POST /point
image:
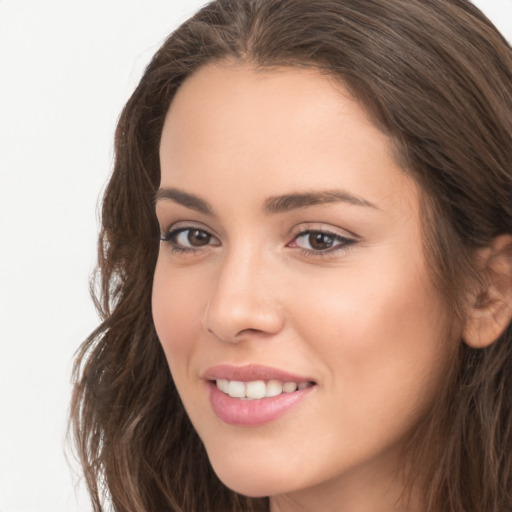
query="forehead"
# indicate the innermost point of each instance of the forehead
(222, 96)
(279, 129)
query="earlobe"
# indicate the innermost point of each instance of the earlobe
(491, 311)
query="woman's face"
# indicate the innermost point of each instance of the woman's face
(292, 254)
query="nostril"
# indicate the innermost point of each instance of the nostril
(234, 317)
(249, 331)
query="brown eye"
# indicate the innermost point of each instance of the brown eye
(188, 239)
(197, 237)
(320, 241)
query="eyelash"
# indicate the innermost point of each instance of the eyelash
(172, 234)
(339, 243)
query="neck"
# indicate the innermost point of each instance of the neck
(362, 490)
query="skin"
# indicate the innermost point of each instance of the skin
(362, 319)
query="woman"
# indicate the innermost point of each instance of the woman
(331, 185)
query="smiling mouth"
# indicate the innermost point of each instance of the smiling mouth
(253, 395)
(259, 389)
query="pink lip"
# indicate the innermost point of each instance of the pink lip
(236, 411)
(251, 372)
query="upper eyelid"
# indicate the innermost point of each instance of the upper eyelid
(186, 224)
(295, 232)
(322, 228)
(346, 239)
(179, 229)
(329, 233)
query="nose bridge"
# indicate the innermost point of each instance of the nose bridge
(244, 299)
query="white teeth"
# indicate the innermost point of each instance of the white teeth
(257, 389)
(274, 388)
(236, 389)
(223, 385)
(289, 387)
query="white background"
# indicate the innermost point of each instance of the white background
(66, 69)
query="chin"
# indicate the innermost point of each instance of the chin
(251, 486)
(254, 480)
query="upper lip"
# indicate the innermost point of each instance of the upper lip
(251, 372)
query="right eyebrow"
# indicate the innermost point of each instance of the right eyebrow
(287, 202)
(178, 196)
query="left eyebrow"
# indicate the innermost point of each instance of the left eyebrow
(287, 202)
(186, 199)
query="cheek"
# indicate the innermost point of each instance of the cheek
(177, 310)
(384, 336)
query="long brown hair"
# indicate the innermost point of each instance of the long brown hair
(437, 77)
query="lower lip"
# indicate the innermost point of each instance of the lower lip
(236, 411)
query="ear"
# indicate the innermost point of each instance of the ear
(491, 310)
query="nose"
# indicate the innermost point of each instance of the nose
(244, 302)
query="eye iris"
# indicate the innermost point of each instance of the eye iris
(320, 241)
(198, 238)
